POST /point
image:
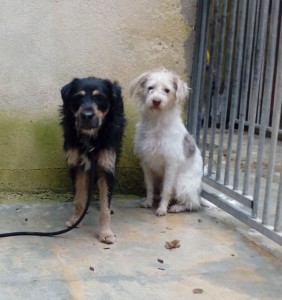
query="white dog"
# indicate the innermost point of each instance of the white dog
(170, 158)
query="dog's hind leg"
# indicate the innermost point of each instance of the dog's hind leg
(149, 182)
(105, 184)
(177, 208)
(188, 201)
(81, 188)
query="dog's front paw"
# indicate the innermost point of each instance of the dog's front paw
(146, 203)
(107, 237)
(160, 212)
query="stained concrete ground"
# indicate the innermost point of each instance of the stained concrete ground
(218, 257)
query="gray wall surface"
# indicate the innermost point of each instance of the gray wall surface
(44, 44)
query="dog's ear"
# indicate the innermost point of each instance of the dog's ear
(117, 96)
(181, 89)
(65, 91)
(116, 90)
(113, 90)
(137, 83)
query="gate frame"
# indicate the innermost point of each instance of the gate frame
(201, 78)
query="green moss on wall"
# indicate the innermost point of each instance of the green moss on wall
(32, 157)
(30, 144)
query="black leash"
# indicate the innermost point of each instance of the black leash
(90, 191)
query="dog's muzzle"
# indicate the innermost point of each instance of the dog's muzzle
(87, 120)
(156, 103)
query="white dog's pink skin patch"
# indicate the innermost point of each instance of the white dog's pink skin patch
(170, 157)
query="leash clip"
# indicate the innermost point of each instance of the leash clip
(93, 148)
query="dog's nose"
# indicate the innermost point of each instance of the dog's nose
(156, 102)
(87, 115)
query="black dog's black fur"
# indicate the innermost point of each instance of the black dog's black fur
(92, 120)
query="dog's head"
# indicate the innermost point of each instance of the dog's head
(158, 90)
(89, 100)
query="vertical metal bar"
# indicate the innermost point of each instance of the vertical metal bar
(210, 83)
(260, 97)
(276, 115)
(218, 80)
(255, 92)
(227, 73)
(245, 85)
(203, 76)
(197, 89)
(205, 100)
(195, 63)
(278, 214)
(236, 83)
(255, 38)
(266, 101)
(205, 128)
(218, 94)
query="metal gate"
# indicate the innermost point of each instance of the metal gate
(234, 108)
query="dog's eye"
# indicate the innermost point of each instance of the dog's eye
(167, 90)
(150, 88)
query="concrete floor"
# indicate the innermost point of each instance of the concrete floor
(218, 258)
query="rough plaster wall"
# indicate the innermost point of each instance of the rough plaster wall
(44, 44)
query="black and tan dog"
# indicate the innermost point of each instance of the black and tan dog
(93, 122)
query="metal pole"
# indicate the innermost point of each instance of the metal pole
(266, 101)
(245, 85)
(259, 51)
(235, 83)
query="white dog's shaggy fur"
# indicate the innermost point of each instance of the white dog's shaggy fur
(170, 158)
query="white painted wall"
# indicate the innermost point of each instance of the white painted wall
(45, 43)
